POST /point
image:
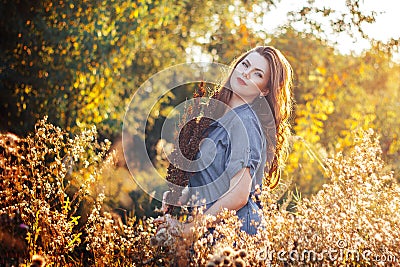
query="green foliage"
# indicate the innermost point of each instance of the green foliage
(79, 62)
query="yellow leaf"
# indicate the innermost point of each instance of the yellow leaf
(92, 79)
(75, 239)
(321, 70)
(75, 220)
(28, 237)
(102, 82)
(82, 78)
(66, 205)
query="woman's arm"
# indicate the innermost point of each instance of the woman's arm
(236, 196)
(234, 199)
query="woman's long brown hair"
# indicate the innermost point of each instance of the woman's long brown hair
(279, 99)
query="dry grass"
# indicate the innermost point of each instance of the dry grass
(51, 205)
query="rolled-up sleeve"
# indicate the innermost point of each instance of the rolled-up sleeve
(246, 141)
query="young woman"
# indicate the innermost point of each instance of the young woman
(249, 140)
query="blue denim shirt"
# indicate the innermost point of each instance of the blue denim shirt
(234, 141)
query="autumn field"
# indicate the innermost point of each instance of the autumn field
(74, 192)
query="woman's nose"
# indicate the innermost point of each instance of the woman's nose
(245, 74)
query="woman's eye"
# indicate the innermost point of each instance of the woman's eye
(245, 64)
(259, 74)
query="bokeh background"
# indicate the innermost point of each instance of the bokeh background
(80, 62)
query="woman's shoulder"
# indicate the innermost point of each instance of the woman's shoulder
(243, 113)
(241, 119)
(246, 112)
(248, 116)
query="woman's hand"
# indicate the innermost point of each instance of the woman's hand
(183, 199)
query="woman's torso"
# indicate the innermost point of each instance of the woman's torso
(233, 142)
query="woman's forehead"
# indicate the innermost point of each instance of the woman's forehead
(257, 60)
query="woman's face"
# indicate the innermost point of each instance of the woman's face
(250, 77)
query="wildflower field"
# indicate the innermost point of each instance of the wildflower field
(70, 187)
(52, 206)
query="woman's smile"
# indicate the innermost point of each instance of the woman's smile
(241, 81)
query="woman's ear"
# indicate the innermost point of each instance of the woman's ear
(265, 93)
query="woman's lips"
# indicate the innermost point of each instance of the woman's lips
(241, 81)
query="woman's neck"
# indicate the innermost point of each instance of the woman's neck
(236, 101)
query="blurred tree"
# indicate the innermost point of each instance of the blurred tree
(367, 99)
(349, 17)
(80, 62)
(336, 94)
(315, 85)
